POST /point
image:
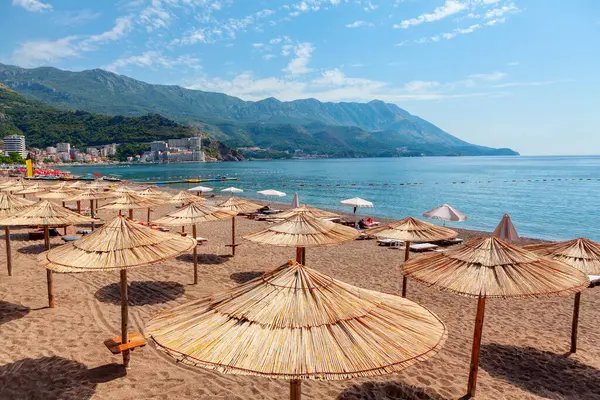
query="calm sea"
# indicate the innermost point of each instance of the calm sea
(547, 197)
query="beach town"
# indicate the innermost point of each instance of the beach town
(115, 290)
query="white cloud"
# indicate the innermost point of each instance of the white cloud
(299, 64)
(32, 5)
(268, 56)
(513, 63)
(494, 76)
(200, 35)
(74, 18)
(499, 12)
(370, 7)
(123, 25)
(358, 24)
(258, 45)
(153, 59)
(40, 52)
(449, 8)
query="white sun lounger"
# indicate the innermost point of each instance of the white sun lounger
(389, 242)
(423, 247)
(594, 280)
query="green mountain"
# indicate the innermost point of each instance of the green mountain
(44, 125)
(338, 129)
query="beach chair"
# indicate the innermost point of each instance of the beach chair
(201, 240)
(449, 242)
(594, 280)
(71, 238)
(420, 247)
(390, 242)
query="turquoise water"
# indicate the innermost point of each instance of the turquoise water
(547, 197)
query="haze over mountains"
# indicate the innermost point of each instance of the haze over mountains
(336, 129)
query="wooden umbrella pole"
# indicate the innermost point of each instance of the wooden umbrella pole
(8, 253)
(295, 390)
(476, 346)
(131, 213)
(301, 255)
(92, 213)
(65, 227)
(124, 317)
(49, 274)
(575, 323)
(148, 220)
(195, 254)
(233, 236)
(406, 257)
(78, 206)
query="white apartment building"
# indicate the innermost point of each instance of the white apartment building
(15, 144)
(63, 147)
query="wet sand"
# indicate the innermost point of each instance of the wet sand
(59, 353)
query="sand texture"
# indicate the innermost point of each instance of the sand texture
(59, 353)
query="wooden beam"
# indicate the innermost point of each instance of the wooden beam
(124, 317)
(195, 254)
(476, 347)
(295, 390)
(575, 323)
(8, 252)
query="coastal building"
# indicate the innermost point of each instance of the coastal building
(92, 151)
(64, 156)
(158, 145)
(63, 147)
(15, 144)
(51, 150)
(178, 143)
(187, 156)
(111, 149)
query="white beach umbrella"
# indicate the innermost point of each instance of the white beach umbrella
(296, 201)
(445, 212)
(506, 230)
(356, 202)
(232, 190)
(271, 193)
(200, 189)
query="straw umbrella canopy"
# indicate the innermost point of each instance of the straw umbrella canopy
(153, 193)
(506, 230)
(302, 231)
(57, 186)
(306, 209)
(239, 206)
(445, 213)
(295, 323)
(14, 187)
(411, 230)
(582, 254)
(184, 197)
(117, 246)
(130, 201)
(35, 188)
(46, 214)
(76, 185)
(193, 214)
(90, 195)
(10, 205)
(490, 267)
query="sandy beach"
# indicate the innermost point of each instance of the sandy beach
(59, 353)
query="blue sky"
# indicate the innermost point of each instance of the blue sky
(517, 73)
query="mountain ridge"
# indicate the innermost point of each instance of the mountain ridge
(384, 128)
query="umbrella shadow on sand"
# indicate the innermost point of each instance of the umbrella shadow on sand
(246, 276)
(207, 259)
(34, 249)
(10, 311)
(53, 378)
(142, 293)
(386, 390)
(543, 373)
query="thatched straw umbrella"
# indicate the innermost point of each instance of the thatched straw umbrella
(306, 209)
(193, 214)
(14, 187)
(90, 195)
(295, 323)
(46, 214)
(117, 246)
(302, 231)
(35, 188)
(59, 194)
(57, 186)
(582, 254)
(153, 193)
(184, 198)
(490, 267)
(239, 206)
(411, 230)
(10, 205)
(130, 201)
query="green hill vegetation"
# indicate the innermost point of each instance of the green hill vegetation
(44, 125)
(337, 129)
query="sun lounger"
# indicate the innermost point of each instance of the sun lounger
(389, 242)
(201, 240)
(365, 236)
(594, 280)
(84, 231)
(423, 247)
(71, 238)
(334, 219)
(269, 212)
